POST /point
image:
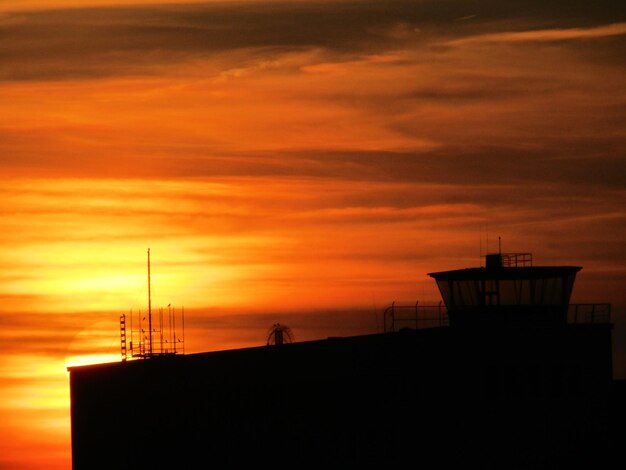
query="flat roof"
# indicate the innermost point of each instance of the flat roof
(365, 340)
(526, 272)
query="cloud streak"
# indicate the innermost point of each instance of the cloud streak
(547, 35)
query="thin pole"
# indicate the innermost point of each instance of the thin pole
(142, 337)
(183, 330)
(149, 305)
(480, 247)
(174, 327)
(487, 236)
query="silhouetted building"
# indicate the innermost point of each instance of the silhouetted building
(519, 379)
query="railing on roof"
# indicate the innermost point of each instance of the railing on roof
(589, 313)
(165, 339)
(516, 260)
(396, 317)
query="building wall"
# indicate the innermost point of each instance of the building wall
(512, 398)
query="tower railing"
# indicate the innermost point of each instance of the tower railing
(419, 316)
(516, 260)
(589, 313)
(396, 317)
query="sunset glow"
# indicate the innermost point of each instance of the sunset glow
(306, 162)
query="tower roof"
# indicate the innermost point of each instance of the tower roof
(505, 273)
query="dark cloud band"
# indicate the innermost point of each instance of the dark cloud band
(85, 43)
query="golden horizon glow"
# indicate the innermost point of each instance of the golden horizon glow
(90, 359)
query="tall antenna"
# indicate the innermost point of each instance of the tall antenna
(149, 305)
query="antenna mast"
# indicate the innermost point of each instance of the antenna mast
(149, 304)
(168, 341)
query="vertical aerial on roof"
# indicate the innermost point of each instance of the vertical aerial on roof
(149, 303)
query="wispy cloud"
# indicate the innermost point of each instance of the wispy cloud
(545, 35)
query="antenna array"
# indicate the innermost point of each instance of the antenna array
(149, 339)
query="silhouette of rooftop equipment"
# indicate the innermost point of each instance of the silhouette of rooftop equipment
(279, 334)
(150, 339)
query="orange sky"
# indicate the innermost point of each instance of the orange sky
(303, 162)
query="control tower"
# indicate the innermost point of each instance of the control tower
(508, 290)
